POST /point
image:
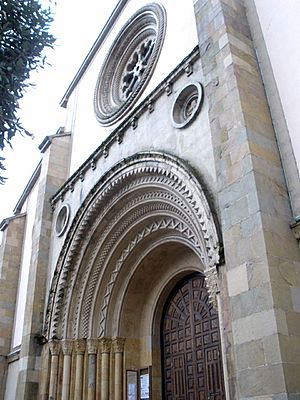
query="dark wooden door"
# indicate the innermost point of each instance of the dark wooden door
(191, 349)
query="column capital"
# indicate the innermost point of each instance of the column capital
(105, 345)
(92, 345)
(67, 346)
(79, 346)
(118, 344)
(54, 346)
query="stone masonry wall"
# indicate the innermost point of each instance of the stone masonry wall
(262, 257)
(10, 261)
(55, 168)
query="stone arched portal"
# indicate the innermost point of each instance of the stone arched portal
(144, 225)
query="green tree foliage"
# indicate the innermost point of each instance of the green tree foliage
(24, 33)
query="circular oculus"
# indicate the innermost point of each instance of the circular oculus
(187, 105)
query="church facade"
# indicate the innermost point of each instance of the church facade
(154, 253)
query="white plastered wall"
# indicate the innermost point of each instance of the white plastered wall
(180, 39)
(30, 208)
(280, 25)
(11, 382)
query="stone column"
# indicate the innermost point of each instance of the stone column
(79, 350)
(92, 345)
(105, 351)
(118, 345)
(54, 346)
(66, 345)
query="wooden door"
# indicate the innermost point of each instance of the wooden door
(191, 349)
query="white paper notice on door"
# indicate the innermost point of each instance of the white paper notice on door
(144, 387)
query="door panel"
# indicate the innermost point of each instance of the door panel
(191, 349)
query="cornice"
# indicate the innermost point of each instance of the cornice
(147, 105)
(5, 222)
(31, 183)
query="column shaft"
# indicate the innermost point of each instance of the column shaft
(79, 377)
(105, 376)
(66, 377)
(79, 349)
(105, 350)
(118, 376)
(118, 344)
(92, 345)
(92, 376)
(53, 377)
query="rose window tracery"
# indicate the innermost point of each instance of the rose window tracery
(136, 67)
(129, 64)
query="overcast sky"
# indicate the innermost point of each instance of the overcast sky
(76, 28)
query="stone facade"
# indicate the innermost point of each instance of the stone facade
(156, 202)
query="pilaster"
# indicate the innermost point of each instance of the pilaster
(54, 171)
(262, 257)
(10, 261)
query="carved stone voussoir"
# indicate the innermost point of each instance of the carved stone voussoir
(54, 346)
(67, 346)
(118, 344)
(92, 345)
(211, 278)
(105, 345)
(178, 202)
(79, 346)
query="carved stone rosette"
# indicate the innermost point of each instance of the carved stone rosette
(105, 345)
(118, 344)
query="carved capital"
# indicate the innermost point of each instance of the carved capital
(54, 346)
(212, 282)
(118, 344)
(91, 345)
(79, 346)
(67, 346)
(105, 344)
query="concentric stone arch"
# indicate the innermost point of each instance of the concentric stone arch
(143, 199)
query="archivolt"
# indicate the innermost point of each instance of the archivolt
(140, 198)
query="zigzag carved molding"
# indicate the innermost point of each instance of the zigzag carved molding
(146, 174)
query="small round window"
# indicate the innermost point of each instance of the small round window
(62, 219)
(187, 105)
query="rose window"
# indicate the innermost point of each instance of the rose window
(129, 64)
